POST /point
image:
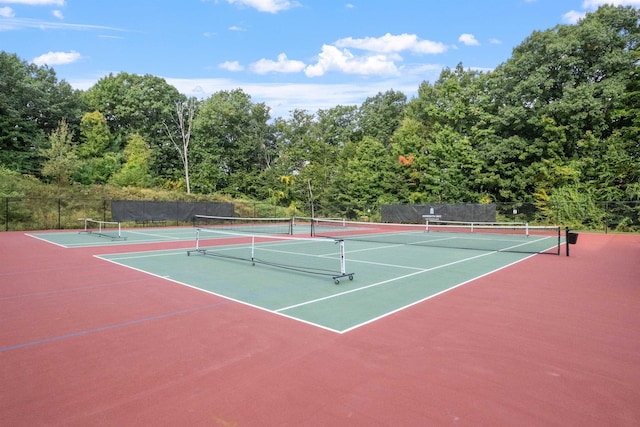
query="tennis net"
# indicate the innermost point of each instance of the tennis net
(499, 237)
(306, 255)
(111, 229)
(241, 225)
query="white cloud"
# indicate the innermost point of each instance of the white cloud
(333, 59)
(56, 58)
(495, 41)
(572, 17)
(270, 6)
(282, 65)
(594, 4)
(468, 40)
(20, 24)
(6, 12)
(236, 28)
(58, 14)
(393, 43)
(231, 66)
(283, 98)
(36, 2)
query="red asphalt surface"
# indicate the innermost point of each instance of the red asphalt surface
(551, 341)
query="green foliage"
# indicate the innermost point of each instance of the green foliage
(95, 135)
(32, 104)
(135, 171)
(133, 103)
(60, 157)
(97, 170)
(572, 206)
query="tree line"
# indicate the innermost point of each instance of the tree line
(560, 119)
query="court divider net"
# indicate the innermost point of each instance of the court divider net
(241, 225)
(111, 229)
(325, 257)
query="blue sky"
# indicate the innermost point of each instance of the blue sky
(306, 54)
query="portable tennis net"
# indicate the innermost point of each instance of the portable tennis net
(306, 255)
(111, 229)
(242, 225)
(499, 237)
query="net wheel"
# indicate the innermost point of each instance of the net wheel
(351, 277)
(336, 281)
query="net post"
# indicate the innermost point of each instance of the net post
(426, 225)
(119, 230)
(197, 239)
(343, 260)
(566, 243)
(526, 229)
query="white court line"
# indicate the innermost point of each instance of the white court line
(45, 240)
(432, 296)
(415, 273)
(164, 236)
(398, 278)
(228, 298)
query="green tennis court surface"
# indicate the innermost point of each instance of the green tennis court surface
(79, 239)
(387, 277)
(75, 239)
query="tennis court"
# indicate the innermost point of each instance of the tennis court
(296, 277)
(148, 330)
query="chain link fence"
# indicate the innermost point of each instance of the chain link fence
(30, 213)
(63, 213)
(611, 216)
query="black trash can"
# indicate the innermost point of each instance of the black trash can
(572, 238)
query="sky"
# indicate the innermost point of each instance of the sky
(288, 54)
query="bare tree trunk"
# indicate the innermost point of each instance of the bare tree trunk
(184, 120)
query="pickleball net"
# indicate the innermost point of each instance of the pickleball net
(245, 224)
(325, 257)
(110, 229)
(498, 237)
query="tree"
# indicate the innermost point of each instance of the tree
(381, 115)
(135, 172)
(60, 158)
(95, 135)
(32, 104)
(555, 102)
(97, 158)
(185, 111)
(132, 104)
(366, 180)
(229, 142)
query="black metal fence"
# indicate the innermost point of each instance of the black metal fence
(23, 213)
(30, 213)
(610, 216)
